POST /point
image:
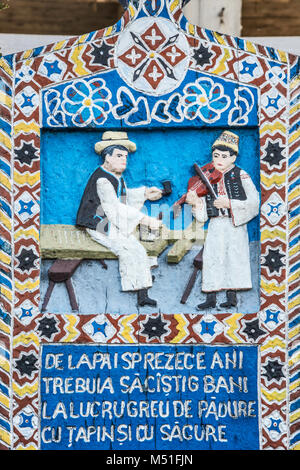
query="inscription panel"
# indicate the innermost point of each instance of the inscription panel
(149, 397)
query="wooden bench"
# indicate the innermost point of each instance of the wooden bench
(69, 246)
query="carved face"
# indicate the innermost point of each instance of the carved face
(223, 160)
(116, 162)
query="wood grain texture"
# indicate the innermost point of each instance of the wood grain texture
(67, 17)
(76, 17)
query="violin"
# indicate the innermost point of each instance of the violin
(196, 183)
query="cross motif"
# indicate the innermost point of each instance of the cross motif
(155, 74)
(154, 37)
(133, 56)
(173, 54)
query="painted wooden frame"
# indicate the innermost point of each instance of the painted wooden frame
(32, 85)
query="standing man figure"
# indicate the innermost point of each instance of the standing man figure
(226, 257)
(110, 213)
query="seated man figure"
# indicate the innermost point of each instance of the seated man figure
(110, 212)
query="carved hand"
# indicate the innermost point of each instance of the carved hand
(153, 193)
(153, 224)
(193, 199)
(222, 202)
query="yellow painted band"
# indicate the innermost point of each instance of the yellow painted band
(294, 416)
(4, 327)
(5, 99)
(79, 68)
(7, 293)
(26, 389)
(273, 344)
(274, 395)
(126, 333)
(25, 127)
(294, 136)
(4, 400)
(26, 338)
(5, 258)
(295, 331)
(276, 179)
(270, 287)
(27, 232)
(72, 319)
(27, 285)
(4, 65)
(5, 436)
(232, 321)
(5, 140)
(174, 5)
(26, 178)
(4, 365)
(250, 47)
(272, 234)
(180, 327)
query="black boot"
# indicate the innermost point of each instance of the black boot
(210, 302)
(143, 299)
(231, 299)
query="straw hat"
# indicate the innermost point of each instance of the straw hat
(228, 139)
(115, 138)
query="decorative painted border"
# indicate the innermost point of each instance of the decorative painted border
(294, 257)
(279, 140)
(6, 247)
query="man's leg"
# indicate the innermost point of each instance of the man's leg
(134, 264)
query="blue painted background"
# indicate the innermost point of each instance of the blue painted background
(68, 160)
(241, 433)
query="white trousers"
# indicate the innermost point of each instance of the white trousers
(134, 263)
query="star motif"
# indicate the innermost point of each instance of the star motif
(274, 154)
(272, 316)
(274, 426)
(26, 313)
(202, 55)
(26, 207)
(253, 330)
(47, 327)
(273, 261)
(26, 364)
(208, 327)
(52, 67)
(26, 420)
(248, 68)
(101, 53)
(99, 328)
(26, 153)
(154, 327)
(26, 259)
(274, 208)
(273, 102)
(273, 370)
(27, 100)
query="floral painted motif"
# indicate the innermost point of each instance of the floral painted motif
(205, 99)
(87, 102)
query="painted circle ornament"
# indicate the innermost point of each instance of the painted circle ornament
(152, 56)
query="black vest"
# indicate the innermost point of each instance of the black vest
(234, 189)
(90, 213)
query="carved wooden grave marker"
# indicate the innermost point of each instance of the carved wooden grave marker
(129, 360)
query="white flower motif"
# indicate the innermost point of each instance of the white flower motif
(88, 102)
(205, 99)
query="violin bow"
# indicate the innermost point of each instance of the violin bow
(207, 183)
